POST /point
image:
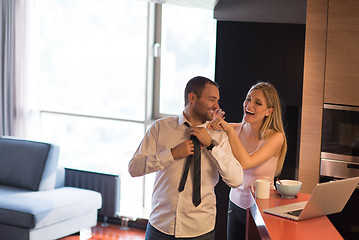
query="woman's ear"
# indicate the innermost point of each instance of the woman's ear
(269, 111)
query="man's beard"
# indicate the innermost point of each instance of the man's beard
(207, 116)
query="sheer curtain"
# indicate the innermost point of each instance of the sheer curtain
(7, 100)
(12, 56)
(22, 108)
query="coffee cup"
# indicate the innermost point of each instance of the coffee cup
(261, 188)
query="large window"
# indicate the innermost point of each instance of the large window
(92, 67)
(90, 60)
(187, 50)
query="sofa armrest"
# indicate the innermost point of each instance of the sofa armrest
(49, 175)
(60, 177)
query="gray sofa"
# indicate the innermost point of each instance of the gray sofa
(34, 204)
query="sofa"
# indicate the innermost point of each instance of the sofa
(34, 204)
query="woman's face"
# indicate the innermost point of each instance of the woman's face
(255, 107)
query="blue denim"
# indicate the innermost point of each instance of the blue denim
(153, 234)
(236, 222)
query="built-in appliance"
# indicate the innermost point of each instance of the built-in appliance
(340, 141)
(340, 159)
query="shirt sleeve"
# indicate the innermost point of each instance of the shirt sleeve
(228, 167)
(147, 159)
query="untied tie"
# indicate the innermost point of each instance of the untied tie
(196, 197)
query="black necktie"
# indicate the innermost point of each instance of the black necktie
(196, 198)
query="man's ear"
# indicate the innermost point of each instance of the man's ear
(192, 97)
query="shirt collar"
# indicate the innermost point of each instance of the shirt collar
(182, 120)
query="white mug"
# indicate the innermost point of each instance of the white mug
(262, 188)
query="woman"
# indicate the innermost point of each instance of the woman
(259, 144)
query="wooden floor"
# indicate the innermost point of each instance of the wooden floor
(109, 232)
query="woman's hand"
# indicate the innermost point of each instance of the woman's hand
(218, 113)
(218, 122)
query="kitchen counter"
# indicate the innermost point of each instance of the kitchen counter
(266, 226)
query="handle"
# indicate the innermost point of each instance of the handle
(353, 166)
(252, 186)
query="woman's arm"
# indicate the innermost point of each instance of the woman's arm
(271, 146)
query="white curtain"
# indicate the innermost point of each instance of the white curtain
(7, 56)
(21, 93)
(12, 57)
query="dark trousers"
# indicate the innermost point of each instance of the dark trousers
(153, 234)
(236, 222)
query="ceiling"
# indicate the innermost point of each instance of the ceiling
(274, 11)
(205, 4)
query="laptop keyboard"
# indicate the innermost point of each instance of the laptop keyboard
(295, 212)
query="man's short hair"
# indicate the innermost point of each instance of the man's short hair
(196, 85)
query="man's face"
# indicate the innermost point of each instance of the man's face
(204, 106)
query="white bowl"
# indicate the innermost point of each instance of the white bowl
(288, 188)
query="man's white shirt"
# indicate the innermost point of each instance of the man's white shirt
(173, 212)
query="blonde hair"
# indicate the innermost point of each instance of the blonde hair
(274, 120)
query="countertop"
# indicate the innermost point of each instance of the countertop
(266, 226)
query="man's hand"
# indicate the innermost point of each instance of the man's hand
(202, 135)
(183, 150)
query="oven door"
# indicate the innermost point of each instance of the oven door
(340, 132)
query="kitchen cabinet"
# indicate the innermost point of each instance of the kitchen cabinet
(313, 85)
(330, 75)
(342, 57)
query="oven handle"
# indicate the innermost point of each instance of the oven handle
(339, 157)
(353, 166)
(341, 107)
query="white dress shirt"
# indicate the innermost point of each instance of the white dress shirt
(173, 212)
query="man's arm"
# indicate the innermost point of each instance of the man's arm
(147, 160)
(221, 154)
(227, 165)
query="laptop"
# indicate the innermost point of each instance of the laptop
(326, 198)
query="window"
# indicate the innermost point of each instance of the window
(89, 59)
(188, 38)
(90, 66)
(93, 57)
(188, 49)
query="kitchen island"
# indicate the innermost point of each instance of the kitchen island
(266, 226)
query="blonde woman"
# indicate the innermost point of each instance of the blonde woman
(260, 146)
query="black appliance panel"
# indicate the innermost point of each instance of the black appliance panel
(340, 133)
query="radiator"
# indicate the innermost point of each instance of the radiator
(108, 185)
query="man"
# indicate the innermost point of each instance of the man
(176, 213)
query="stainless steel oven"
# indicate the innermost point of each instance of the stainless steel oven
(340, 141)
(340, 159)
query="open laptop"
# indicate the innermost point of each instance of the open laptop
(326, 198)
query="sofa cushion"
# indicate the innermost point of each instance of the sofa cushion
(22, 162)
(30, 209)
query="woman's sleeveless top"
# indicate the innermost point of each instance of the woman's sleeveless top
(242, 196)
